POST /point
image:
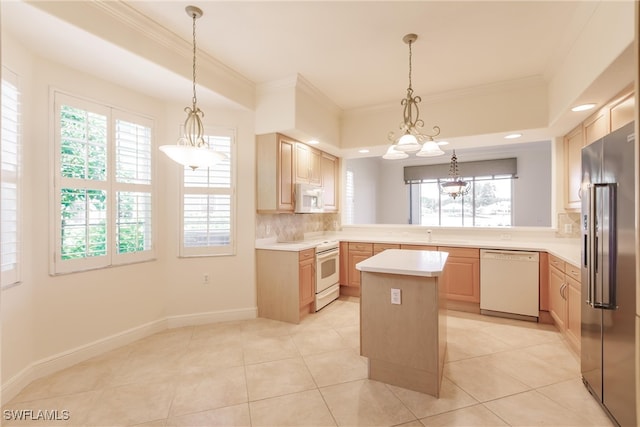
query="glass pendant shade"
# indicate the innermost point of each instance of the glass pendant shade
(454, 187)
(430, 149)
(191, 156)
(407, 143)
(393, 154)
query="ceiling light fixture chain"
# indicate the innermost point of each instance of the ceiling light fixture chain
(412, 138)
(191, 148)
(193, 127)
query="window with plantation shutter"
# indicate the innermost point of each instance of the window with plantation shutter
(10, 180)
(102, 186)
(208, 202)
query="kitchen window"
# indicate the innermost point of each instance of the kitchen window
(487, 204)
(10, 190)
(102, 186)
(209, 200)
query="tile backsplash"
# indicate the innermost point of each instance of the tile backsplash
(292, 227)
(568, 224)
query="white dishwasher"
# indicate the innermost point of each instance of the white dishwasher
(509, 283)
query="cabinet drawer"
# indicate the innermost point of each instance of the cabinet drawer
(572, 271)
(356, 246)
(556, 262)
(379, 247)
(461, 252)
(419, 247)
(306, 254)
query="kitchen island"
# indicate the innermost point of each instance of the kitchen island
(403, 318)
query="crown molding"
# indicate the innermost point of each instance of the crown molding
(474, 91)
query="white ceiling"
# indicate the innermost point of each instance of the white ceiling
(351, 51)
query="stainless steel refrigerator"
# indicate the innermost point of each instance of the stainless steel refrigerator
(608, 273)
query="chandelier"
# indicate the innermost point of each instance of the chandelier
(191, 149)
(412, 138)
(455, 186)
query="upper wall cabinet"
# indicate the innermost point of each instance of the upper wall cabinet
(617, 113)
(330, 181)
(308, 163)
(281, 162)
(573, 143)
(274, 172)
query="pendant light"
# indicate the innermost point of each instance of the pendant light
(191, 149)
(455, 186)
(412, 138)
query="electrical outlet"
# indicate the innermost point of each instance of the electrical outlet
(568, 228)
(205, 278)
(267, 229)
(396, 296)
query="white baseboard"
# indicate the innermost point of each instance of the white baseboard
(65, 359)
(211, 317)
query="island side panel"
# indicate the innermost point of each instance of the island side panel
(402, 341)
(277, 285)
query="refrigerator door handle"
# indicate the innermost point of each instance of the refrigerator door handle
(591, 245)
(603, 246)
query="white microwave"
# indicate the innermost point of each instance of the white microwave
(308, 199)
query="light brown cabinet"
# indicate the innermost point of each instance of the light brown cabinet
(282, 162)
(330, 168)
(286, 282)
(596, 126)
(307, 277)
(356, 252)
(274, 172)
(461, 276)
(616, 113)
(557, 301)
(622, 110)
(419, 247)
(573, 143)
(565, 300)
(379, 247)
(308, 162)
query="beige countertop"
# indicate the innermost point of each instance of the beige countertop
(409, 263)
(565, 248)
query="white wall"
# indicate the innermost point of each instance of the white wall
(386, 188)
(49, 321)
(365, 180)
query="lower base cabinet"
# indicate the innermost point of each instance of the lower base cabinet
(461, 278)
(286, 284)
(565, 300)
(356, 252)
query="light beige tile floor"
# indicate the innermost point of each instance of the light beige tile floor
(266, 373)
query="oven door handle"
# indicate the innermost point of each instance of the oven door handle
(328, 254)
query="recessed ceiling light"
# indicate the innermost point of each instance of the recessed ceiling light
(513, 136)
(314, 142)
(583, 107)
(442, 142)
(363, 151)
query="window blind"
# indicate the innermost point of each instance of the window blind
(11, 187)
(208, 203)
(507, 168)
